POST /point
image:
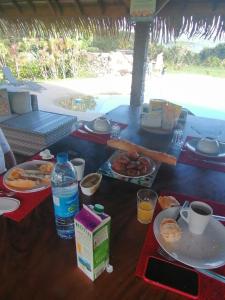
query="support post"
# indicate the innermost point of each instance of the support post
(139, 63)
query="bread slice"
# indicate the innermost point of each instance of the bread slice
(167, 201)
(21, 184)
(170, 230)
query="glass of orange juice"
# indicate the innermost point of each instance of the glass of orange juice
(146, 201)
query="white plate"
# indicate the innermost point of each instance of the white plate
(8, 204)
(29, 165)
(47, 157)
(206, 251)
(192, 146)
(151, 162)
(90, 127)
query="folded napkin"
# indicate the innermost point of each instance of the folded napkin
(209, 289)
(190, 158)
(96, 138)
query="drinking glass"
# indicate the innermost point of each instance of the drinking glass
(177, 140)
(115, 131)
(146, 201)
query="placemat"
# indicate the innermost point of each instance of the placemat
(191, 158)
(146, 181)
(96, 138)
(209, 289)
(27, 201)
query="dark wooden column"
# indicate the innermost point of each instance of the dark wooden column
(139, 63)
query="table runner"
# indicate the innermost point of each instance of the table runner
(209, 289)
(28, 201)
(194, 159)
(146, 181)
(96, 138)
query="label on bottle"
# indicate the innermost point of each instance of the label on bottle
(66, 206)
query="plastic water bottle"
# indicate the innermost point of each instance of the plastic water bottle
(65, 196)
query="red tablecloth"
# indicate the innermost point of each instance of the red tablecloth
(96, 138)
(209, 289)
(191, 158)
(27, 201)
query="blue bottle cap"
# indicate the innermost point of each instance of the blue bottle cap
(62, 157)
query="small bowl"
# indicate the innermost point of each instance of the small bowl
(208, 146)
(90, 183)
(101, 124)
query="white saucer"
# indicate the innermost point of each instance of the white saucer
(192, 146)
(45, 157)
(8, 204)
(90, 127)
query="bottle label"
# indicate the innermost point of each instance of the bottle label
(66, 206)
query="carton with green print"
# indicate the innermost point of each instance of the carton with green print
(92, 232)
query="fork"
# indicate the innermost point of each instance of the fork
(210, 161)
(8, 194)
(206, 272)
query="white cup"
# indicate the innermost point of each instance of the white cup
(197, 216)
(101, 124)
(78, 164)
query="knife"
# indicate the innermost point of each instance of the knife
(218, 218)
(219, 163)
(186, 204)
(211, 274)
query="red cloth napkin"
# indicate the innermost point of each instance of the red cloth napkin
(209, 289)
(28, 201)
(96, 138)
(194, 159)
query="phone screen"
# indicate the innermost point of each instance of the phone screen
(173, 276)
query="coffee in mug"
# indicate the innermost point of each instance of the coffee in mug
(197, 216)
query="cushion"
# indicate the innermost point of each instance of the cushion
(4, 103)
(21, 102)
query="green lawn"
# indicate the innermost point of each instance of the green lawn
(200, 70)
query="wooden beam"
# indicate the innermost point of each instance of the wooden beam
(56, 7)
(102, 5)
(125, 5)
(79, 6)
(46, 10)
(160, 5)
(198, 8)
(139, 63)
(31, 4)
(59, 7)
(18, 7)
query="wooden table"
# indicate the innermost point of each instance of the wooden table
(36, 264)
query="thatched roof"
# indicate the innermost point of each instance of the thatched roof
(172, 18)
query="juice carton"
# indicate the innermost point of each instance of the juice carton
(92, 232)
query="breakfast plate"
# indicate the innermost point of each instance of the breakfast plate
(90, 128)
(205, 251)
(8, 204)
(123, 165)
(29, 177)
(192, 146)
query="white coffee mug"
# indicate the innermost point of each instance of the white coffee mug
(101, 124)
(78, 164)
(197, 216)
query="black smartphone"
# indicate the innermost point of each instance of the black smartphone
(172, 276)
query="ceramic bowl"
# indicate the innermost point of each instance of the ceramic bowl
(101, 124)
(209, 146)
(90, 183)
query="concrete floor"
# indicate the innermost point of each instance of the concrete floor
(204, 95)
